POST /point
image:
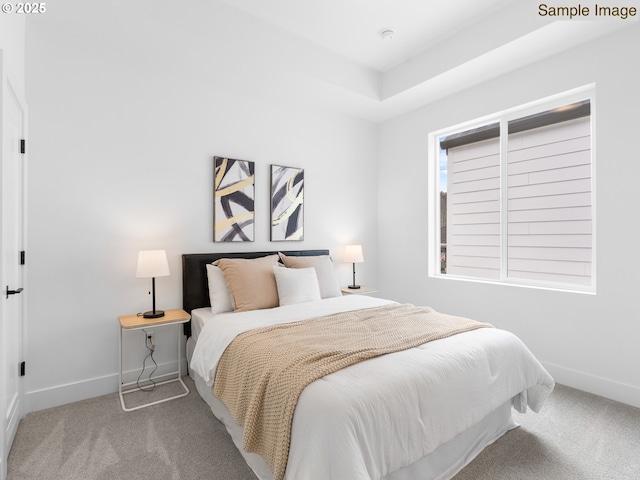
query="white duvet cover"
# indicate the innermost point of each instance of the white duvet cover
(380, 415)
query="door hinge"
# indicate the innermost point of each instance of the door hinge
(23, 146)
(23, 255)
(23, 369)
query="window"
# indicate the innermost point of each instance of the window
(515, 195)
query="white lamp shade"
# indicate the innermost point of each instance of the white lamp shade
(152, 263)
(353, 254)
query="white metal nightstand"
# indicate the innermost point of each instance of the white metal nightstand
(137, 322)
(363, 290)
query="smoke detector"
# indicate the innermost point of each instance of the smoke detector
(387, 34)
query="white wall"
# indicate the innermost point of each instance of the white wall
(586, 341)
(128, 106)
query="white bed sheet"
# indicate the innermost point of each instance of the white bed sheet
(379, 416)
(198, 318)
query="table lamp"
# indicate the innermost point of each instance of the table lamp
(152, 264)
(353, 254)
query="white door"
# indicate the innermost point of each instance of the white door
(12, 163)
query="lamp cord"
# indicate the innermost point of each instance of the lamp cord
(150, 350)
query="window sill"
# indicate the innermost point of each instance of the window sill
(588, 290)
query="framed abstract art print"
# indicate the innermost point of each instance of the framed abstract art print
(287, 203)
(233, 200)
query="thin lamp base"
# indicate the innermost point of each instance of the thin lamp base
(153, 314)
(353, 287)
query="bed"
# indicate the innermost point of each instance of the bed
(420, 413)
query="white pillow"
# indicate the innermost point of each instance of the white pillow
(329, 286)
(219, 294)
(296, 285)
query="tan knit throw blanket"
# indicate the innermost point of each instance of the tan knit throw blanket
(263, 371)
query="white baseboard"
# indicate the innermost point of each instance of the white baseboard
(604, 387)
(71, 392)
(84, 389)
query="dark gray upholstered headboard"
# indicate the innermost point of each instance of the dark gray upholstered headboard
(195, 287)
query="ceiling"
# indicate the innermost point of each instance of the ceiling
(352, 28)
(440, 47)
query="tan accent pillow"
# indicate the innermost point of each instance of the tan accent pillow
(329, 286)
(251, 281)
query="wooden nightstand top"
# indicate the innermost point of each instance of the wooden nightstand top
(362, 290)
(138, 321)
